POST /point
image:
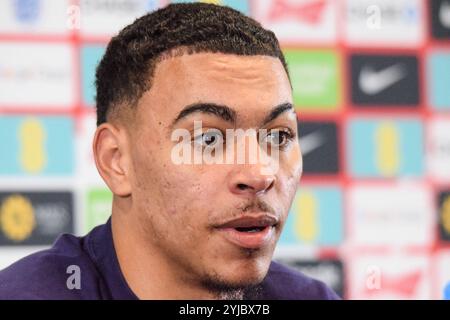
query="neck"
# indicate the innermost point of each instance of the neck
(147, 271)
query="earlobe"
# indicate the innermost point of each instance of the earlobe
(110, 154)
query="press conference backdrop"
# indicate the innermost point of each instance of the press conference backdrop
(371, 83)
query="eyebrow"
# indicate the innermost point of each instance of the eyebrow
(228, 114)
(221, 111)
(278, 110)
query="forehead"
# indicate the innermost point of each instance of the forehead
(233, 80)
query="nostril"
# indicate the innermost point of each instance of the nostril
(242, 186)
(271, 185)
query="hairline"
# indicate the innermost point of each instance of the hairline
(115, 112)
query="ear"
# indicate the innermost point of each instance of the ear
(111, 153)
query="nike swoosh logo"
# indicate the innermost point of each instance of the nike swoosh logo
(444, 14)
(311, 142)
(373, 82)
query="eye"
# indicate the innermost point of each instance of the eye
(278, 138)
(209, 138)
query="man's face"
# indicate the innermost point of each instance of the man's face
(198, 216)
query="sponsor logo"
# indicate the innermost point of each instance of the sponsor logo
(372, 82)
(383, 80)
(110, 6)
(402, 285)
(46, 75)
(444, 14)
(389, 276)
(438, 80)
(31, 17)
(444, 216)
(27, 11)
(107, 17)
(331, 272)
(438, 149)
(315, 217)
(314, 76)
(308, 12)
(394, 218)
(384, 23)
(385, 147)
(319, 146)
(298, 21)
(34, 218)
(47, 17)
(440, 19)
(99, 207)
(36, 145)
(17, 219)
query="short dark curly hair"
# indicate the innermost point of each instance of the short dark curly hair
(126, 70)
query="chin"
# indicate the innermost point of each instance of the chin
(248, 272)
(220, 283)
(248, 280)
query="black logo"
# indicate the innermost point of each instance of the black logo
(319, 145)
(444, 216)
(440, 19)
(384, 80)
(331, 272)
(34, 218)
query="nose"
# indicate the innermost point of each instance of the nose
(250, 181)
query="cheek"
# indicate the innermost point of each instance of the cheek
(189, 203)
(146, 161)
(290, 174)
(292, 169)
(176, 198)
(180, 195)
(295, 161)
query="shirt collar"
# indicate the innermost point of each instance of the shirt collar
(101, 247)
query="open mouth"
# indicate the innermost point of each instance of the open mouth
(249, 237)
(250, 229)
(252, 237)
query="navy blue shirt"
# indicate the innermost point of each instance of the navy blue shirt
(44, 275)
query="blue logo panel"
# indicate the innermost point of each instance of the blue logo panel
(90, 57)
(315, 217)
(439, 80)
(36, 145)
(385, 148)
(27, 11)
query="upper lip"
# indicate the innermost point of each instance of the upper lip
(251, 221)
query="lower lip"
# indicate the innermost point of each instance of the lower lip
(249, 240)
